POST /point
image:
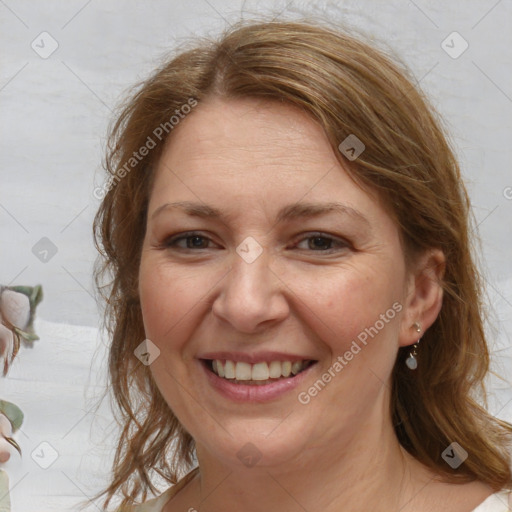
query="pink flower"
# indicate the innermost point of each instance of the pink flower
(6, 341)
(15, 308)
(5, 431)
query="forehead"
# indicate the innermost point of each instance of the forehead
(248, 128)
(255, 153)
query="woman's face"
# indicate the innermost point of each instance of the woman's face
(263, 255)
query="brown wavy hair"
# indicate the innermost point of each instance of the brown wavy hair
(349, 87)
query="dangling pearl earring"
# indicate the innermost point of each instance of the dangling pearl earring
(411, 361)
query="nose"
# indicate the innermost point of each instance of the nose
(251, 298)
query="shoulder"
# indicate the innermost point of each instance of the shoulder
(499, 502)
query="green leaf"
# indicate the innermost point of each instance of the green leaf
(27, 335)
(13, 413)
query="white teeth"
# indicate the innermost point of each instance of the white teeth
(296, 367)
(243, 371)
(286, 369)
(219, 368)
(260, 371)
(274, 370)
(257, 372)
(229, 369)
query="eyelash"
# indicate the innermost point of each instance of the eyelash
(172, 242)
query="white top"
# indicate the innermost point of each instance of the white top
(499, 502)
(495, 503)
(5, 502)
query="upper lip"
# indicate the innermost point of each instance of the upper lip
(255, 357)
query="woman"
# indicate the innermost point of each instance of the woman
(294, 303)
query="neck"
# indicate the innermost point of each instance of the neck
(367, 470)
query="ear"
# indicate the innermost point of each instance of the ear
(423, 295)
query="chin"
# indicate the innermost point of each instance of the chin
(262, 443)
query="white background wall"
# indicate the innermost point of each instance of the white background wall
(53, 119)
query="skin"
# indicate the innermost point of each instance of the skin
(250, 158)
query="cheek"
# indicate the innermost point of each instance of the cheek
(174, 300)
(166, 298)
(347, 303)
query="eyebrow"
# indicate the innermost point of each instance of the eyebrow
(289, 212)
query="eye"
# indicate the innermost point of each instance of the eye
(321, 242)
(187, 241)
(318, 242)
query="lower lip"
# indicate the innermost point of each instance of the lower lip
(255, 393)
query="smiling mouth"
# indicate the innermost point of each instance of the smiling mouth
(258, 374)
